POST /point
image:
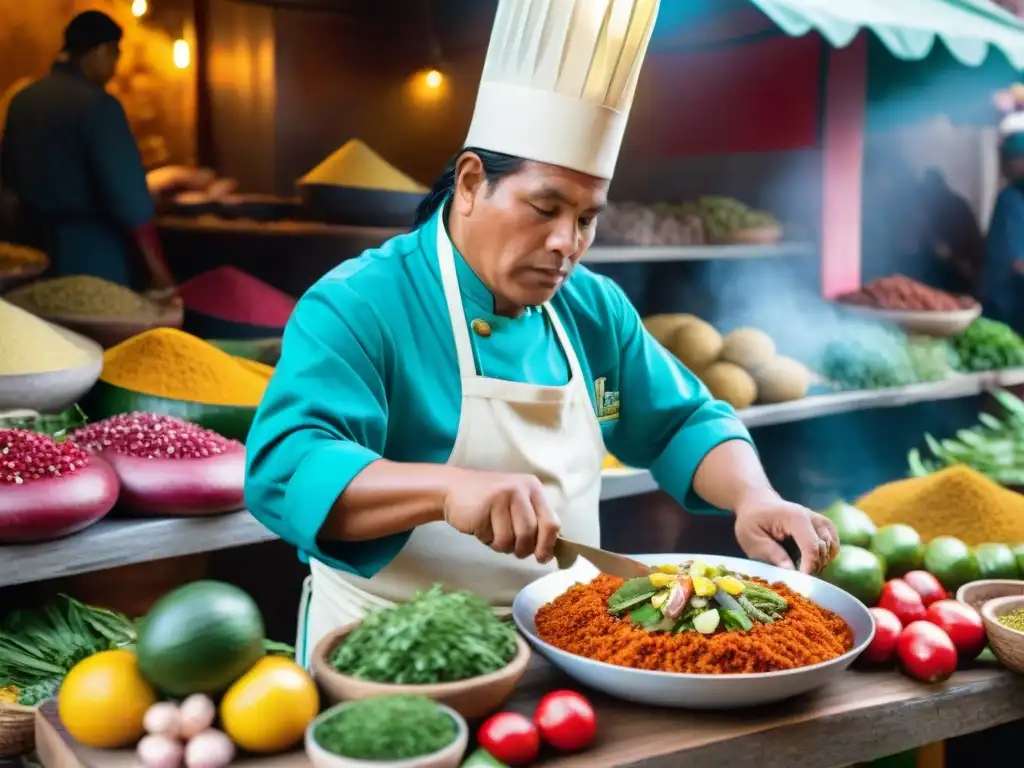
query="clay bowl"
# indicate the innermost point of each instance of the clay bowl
(17, 730)
(111, 331)
(473, 698)
(1007, 644)
(977, 593)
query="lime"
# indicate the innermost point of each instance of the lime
(900, 547)
(857, 571)
(996, 561)
(854, 526)
(950, 561)
(1018, 552)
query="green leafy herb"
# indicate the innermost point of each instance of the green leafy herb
(56, 425)
(387, 728)
(436, 637)
(632, 592)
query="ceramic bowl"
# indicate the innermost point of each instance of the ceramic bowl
(1007, 644)
(53, 391)
(449, 757)
(473, 698)
(977, 593)
(935, 324)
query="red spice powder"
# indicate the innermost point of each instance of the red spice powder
(578, 622)
(152, 436)
(26, 456)
(228, 293)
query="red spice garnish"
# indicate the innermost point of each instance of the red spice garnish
(228, 293)
(26, 456)
(152, 436)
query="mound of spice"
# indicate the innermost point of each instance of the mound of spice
(169, 466)
(900, 292)
(230, 294)
(387, 728)
(31, 345)
(166, 362)
(83, 296)
(17, 260)
(1014, 619)
(49, 488)
(436, 637)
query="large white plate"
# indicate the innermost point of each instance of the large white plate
(691, 691)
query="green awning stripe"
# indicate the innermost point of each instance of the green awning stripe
(908, 28)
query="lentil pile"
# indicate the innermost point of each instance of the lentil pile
(900, 292)
(957, 501)
(1013, 619)
(26, 456)
(30, 345)
(166, 362)
(230, 294)
(578, 622)
(83, 296)
(152, 436)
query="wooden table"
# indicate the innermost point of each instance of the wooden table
(861, 717)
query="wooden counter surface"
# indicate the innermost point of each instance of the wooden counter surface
(861, 717)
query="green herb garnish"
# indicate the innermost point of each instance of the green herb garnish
(387, 728)
(631, 593)
(436, 637)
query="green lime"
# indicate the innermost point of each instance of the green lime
(950, 561)
(854, 526)
(996, 561)
(857, 571)
(1018, 553)
(901, 548)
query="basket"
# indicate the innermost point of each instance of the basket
(17, 730)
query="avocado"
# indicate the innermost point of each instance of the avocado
(730, 383)
(853, 525)
(748, 348)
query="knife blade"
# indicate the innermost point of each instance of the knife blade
(567, 551)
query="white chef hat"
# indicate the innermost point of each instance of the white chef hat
(559, 80)
(1011, 124)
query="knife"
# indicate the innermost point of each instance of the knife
(567, 551)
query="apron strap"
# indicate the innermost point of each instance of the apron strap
(453, 298)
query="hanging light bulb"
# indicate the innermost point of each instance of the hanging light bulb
(433, 79)
(181, 54)
(139, 8)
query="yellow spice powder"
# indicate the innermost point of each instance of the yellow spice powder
(166, 362)
(31, 345)
(956, 501)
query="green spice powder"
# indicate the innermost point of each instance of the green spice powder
(1013, 619)
(387, 728)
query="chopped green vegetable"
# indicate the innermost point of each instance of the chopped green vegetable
(753, 611)
(387, 728)
(436, 637)
(988, 345)
(632, 592)
(736, 620)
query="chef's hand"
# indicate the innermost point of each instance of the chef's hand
(507, 512)
(168, 298)
(763, 521)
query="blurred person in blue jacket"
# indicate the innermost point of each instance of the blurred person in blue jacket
(71, 173)
(1004, 264)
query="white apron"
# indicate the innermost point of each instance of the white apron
(505, 426)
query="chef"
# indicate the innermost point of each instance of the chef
(443, 403)
(1003, 272)
(68, 159)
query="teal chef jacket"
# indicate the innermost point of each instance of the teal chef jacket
(67, 152)
(368, 370)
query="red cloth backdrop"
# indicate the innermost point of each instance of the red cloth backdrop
(757, 96)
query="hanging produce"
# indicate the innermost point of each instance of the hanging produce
(31, 345)
(50, 489)
(168, 466)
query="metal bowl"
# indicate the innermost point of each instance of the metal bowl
(694, 691)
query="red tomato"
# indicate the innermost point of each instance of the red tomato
(926, 652)
(898, 597)
(566, 720)
(926, 585)
(963, 625)
(510, 738)
(887, 632)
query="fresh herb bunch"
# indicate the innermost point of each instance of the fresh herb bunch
(988, 345)
(387, 728)
(436, 637)
(39, 648)
(56, 425)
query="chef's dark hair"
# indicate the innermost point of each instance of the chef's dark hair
(88, 30)
(496, 167)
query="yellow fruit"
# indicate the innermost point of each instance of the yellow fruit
(268, 708)
(104, 699)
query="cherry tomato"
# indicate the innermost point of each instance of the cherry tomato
(887, 632)
(962, 623)
(926, 652)
(926, 585)
(566, 720)
(510, 737)
(898, 597)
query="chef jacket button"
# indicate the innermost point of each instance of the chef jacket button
(481, 328)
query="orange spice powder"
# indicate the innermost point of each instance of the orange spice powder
(578, 622)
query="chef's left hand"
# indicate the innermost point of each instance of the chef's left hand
(765, 520)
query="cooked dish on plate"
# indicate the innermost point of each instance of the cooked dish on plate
(694, 618)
